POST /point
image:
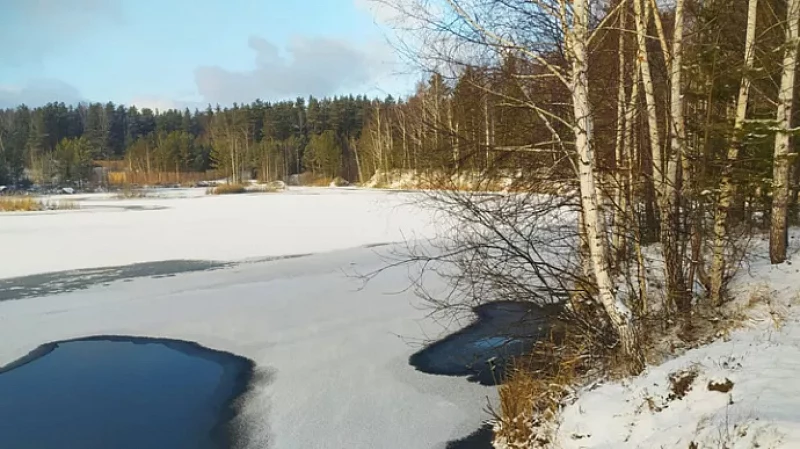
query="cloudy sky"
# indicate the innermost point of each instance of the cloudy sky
(175, 53)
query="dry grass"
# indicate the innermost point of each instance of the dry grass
(189, 179)
(319, 182)
(227, 189)
(128, 193)
(31, 204)
(233, 189)
(535, 390)
(540, 384)
(263, 188)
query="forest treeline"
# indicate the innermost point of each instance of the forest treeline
(58, 141)
(348, 136)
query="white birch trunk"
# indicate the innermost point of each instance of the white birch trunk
(727, 187)
(670, 210)
(619, 314)
(354, 146)
(487, 132)
(647, 81)
(619, 146)
(781, 165)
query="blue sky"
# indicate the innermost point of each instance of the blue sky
(175, 53)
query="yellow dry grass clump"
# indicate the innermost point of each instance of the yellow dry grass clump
(227, 189)
(531, 398)
(232, 189)
(321, 181)
(30, 204)
(118, 178)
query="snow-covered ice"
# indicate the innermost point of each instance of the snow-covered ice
(332, 358)
(106, 232)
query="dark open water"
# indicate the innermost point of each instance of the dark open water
(121, 393)
(482, 351)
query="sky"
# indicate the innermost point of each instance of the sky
(191, 53)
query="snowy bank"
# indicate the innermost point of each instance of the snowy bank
(739, 392)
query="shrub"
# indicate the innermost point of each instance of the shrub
(339, 182)
(230, 189)
(30, 204)
(530, 401)
(129, 193)
(313, 180)
(227, 189)
(263, 188)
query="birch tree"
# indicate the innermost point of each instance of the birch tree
(653, 131)
(620, 195)
(727, 186)
(782, 153)
(575, 117)
(594, 220)
(670, 208)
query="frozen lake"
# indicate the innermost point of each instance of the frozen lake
(331, 355)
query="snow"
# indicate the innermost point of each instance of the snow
(189, 225)
(761, 359)
(331, 357)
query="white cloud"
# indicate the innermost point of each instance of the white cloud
(39, 92)
(318, 66)
(155, 103)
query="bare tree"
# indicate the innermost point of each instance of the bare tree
(555, 36)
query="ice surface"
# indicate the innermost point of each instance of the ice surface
(190, 225)
(336, 354)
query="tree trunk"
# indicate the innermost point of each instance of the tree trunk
(670, 208)
(642, 20)
(780, 173)
(727, 186)
(379, 140)
(620, 215)
(487, 128)
(618, 313)
(404, 130)
(358, 161)
(147, 154)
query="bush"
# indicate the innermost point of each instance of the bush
(129, 193)
(313, 180)
(230, 189)
(264, 188)
(29, 204)
(227, 189)
(339, 182)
